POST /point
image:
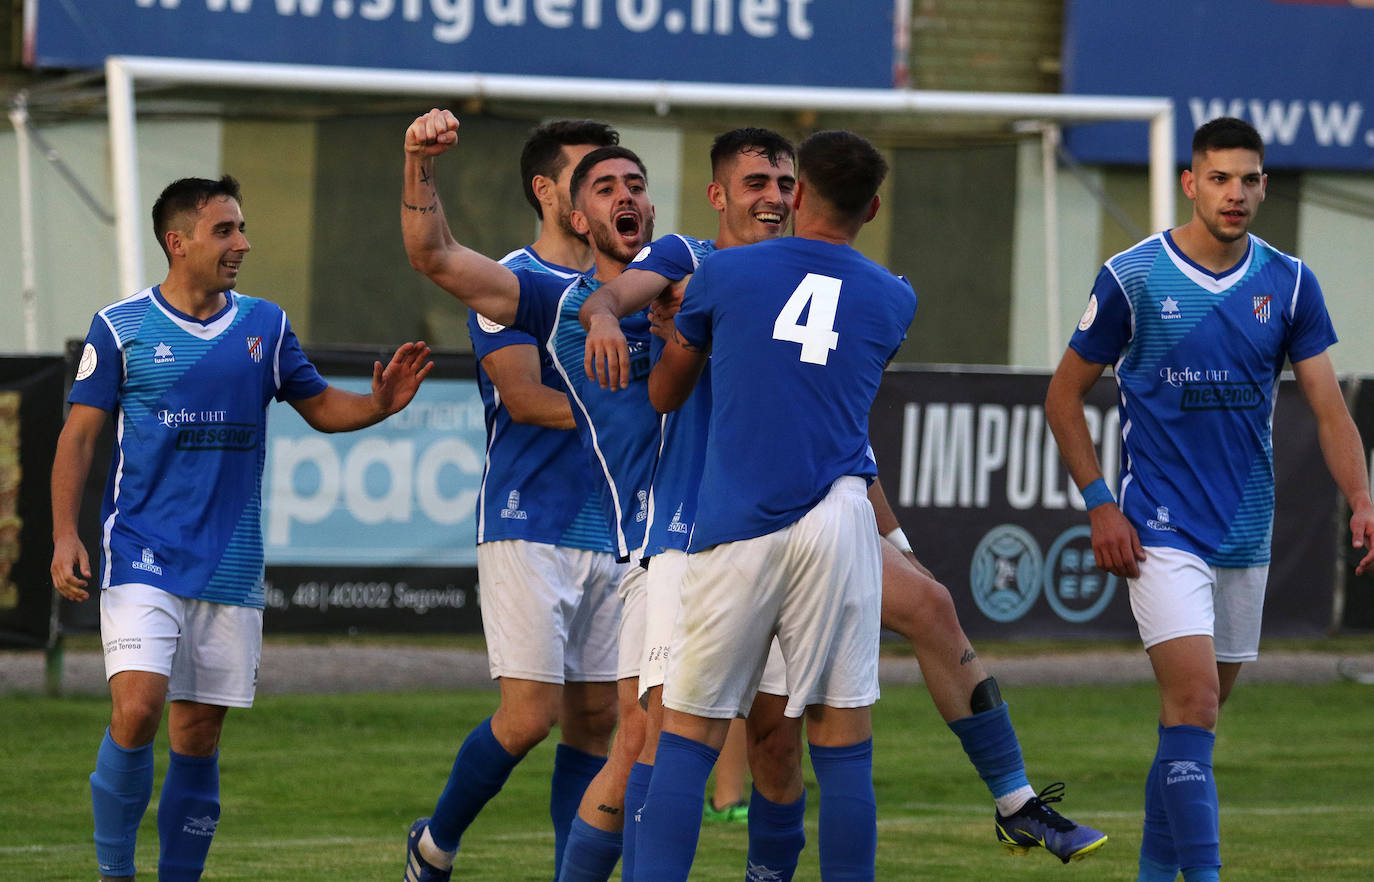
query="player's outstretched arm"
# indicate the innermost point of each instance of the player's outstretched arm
(1341, 448)
(1116, 545)
(607, 356)
(393, 387)
(481, 283)
(71, 566)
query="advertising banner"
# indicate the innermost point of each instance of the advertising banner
(775, 42)
(1298, 72)
(973, 471)
(375, 530)
(30, 419)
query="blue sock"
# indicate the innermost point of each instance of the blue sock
(1202, 874)
(636, 788)
(849, 812)
(990, 742)
(1158, 859)
(121, 786)
(479, 771)
(187, 815)
(670, 822)
(1190, 797)
(776, 838)
(573, 770)
(591, 854)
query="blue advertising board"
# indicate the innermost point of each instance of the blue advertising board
(780, 42)
(1298, 70)
(401, 493)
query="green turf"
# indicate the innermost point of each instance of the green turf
(324, 788)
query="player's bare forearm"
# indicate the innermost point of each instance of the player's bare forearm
(393, 387)
(515, 372)
(1064, 413)
(675, 376)
(70, 569)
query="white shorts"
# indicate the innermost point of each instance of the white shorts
(633, 591)
(664, 599)
(816, 584)
(549, 613)
(209, 652)
(1180, 595)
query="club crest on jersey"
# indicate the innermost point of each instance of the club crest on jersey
(255, 349)
(1168, 309)
(162, 354)
(1262, 302)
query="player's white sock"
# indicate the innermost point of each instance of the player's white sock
(1010, 803)
(433, 854)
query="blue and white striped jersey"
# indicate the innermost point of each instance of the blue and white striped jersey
(1197, 357)
(538, 484)
(799, 332)
(618, 427)
(677, 474)
(182, 507)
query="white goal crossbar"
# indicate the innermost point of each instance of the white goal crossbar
(122, 72)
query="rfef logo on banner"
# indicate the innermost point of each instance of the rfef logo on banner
(774, 42)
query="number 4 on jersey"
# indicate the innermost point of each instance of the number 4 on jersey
(817, 337)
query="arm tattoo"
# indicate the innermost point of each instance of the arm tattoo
(682, 341)
(432, 208)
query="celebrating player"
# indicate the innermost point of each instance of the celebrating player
(611, 207)
(1187, 317)
(188, 368)
(548, 577)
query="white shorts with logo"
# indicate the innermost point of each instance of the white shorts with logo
(634, 603)
(209, 652)
(550, 614)
(664, 599)
(1178, 594)
(816, 584)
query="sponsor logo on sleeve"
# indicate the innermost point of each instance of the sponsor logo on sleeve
(88, 361)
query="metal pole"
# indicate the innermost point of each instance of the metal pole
(1162, 172)
(19, 119)
(1049, 169)
(124, 160)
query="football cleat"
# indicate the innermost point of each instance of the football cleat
(1036, 825)
(417, 868)
(735, 811)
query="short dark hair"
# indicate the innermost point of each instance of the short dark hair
(1227, 133)
(843, 169)
(601, 154)
(750, 140)
(188, 196)
(543, 150)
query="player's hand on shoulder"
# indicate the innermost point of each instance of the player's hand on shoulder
(1116, 545)
(432, 133)
(71, 568)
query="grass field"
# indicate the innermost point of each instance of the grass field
(324, 788)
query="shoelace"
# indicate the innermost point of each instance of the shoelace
(1039, 805)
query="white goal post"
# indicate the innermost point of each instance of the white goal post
(122, 72)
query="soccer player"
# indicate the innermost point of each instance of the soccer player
(549, 607)
(1197, 322)
(611, 207)
(753, 194)
(187, 368)
(784, 542)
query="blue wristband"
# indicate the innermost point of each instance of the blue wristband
(1096, 494)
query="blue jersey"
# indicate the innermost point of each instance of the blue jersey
(183, 503)
(538, 484)
(799, 333)
(682, 452)
(618, 427)
(1197, 358)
